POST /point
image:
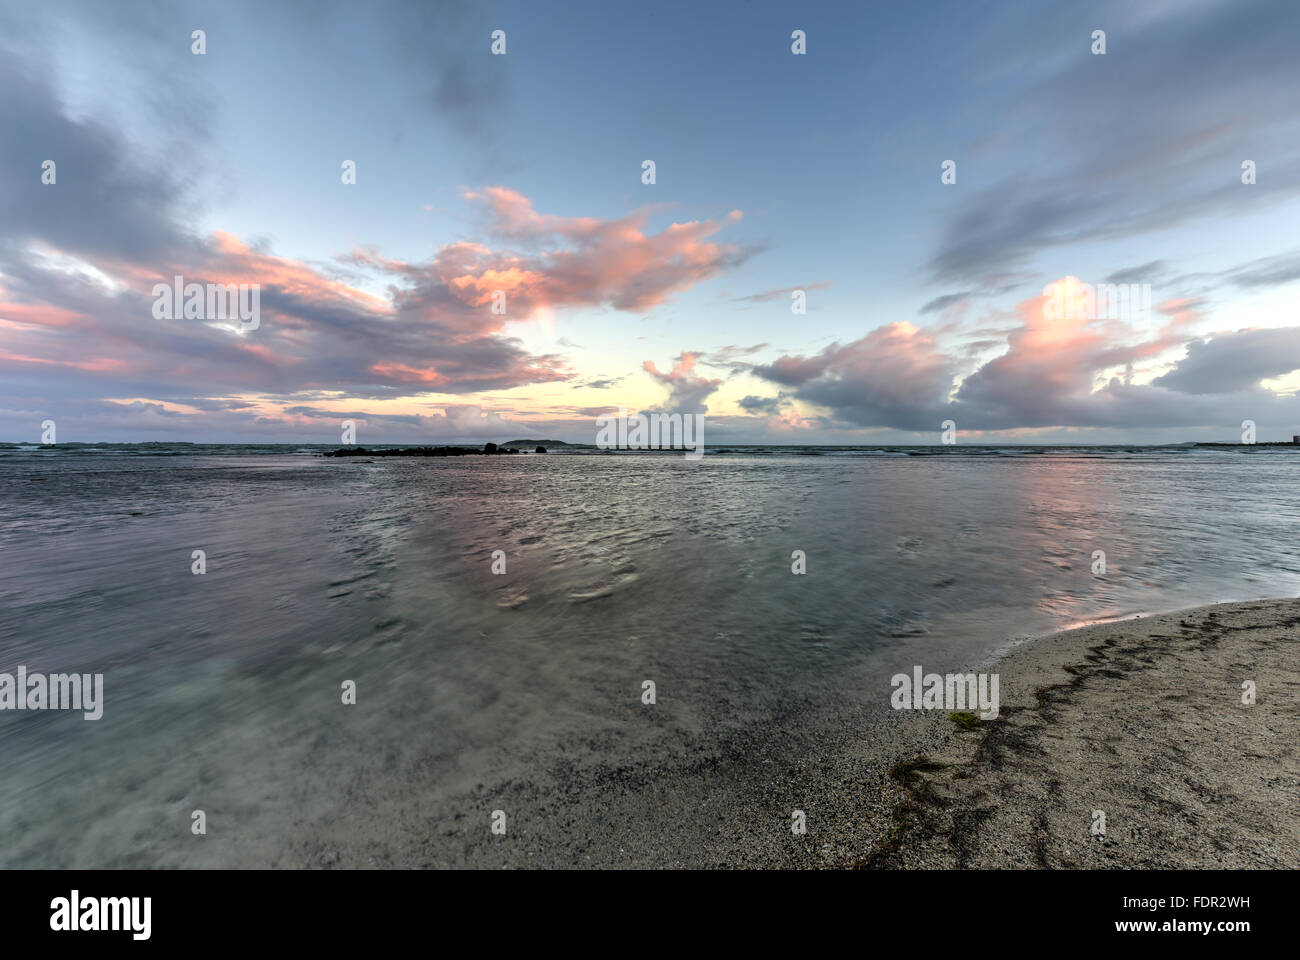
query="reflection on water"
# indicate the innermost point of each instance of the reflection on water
(223, 690)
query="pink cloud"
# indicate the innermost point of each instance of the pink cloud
(96, 365)
(688, 390)
(86, 326)
(614, 262)
(39, 315)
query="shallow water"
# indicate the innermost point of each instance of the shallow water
(223, 690)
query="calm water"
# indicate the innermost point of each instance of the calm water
(223, 690)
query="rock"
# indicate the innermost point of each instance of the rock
(540, 450)
(490, 448)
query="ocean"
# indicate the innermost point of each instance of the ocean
(522, 691)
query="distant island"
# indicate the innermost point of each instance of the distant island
(1294, 442)
(522, 444)
(489, 449)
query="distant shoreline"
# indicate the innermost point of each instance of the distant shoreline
(564, 446)
(195, 448)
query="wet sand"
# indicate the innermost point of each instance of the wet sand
(1142, 720)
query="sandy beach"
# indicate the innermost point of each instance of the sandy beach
(1142, 720)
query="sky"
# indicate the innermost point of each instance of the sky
(502, 269)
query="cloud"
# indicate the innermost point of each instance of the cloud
(687, 389)
(767, 406)
(1267, 272)
(781, 293)
(896, 375)
(461, 82)
(1147, 137)
(1231, 362)
(1145, 273)
(1052, 374)
(993, 285)
(79, 261)
(602, 383)
(103, 206)
(610, 262)
(945, 301)
(729, 357)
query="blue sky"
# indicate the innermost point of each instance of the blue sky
(818, 171)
